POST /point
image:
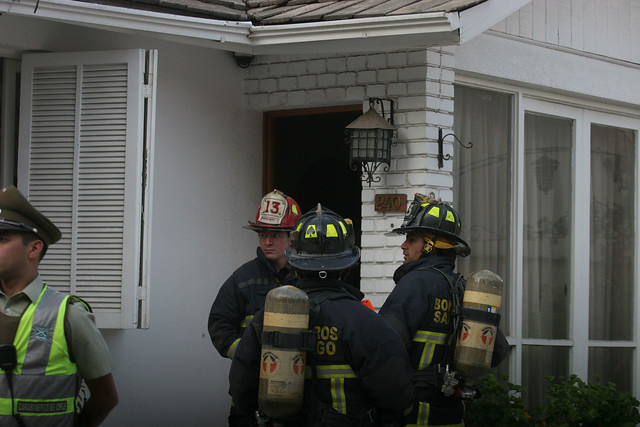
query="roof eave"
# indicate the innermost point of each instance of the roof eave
(479, 18)
(349, 35)
(184, 29)
(364, 34)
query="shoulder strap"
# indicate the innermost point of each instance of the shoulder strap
(327, 294)
(456, 290)
(76, 299)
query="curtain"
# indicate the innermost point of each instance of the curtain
(611, 269)
(548, 216)
(547, 249)
(482, 179)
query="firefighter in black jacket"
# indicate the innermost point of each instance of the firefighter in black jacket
(420, 308)
(244, 292)
(359, 373)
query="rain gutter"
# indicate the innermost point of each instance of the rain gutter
(242, 36)
(185, 29)
(409, 27)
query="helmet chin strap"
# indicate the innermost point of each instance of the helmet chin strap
(428, 246)
(431, 241)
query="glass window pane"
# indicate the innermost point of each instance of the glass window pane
(482, 181)
(611, 364)
(548, 216)
(537, 363)
(611, 278)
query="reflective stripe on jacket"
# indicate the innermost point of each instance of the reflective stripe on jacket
(45, 381)
(430, 340)
(239, 298)
(337, 374)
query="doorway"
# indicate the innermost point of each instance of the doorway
(306, 157)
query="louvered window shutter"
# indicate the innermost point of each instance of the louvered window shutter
(81, 163)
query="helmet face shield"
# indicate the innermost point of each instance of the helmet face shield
(322, 240)
(426, 214)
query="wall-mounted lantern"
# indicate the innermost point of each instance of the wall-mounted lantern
(370, 138)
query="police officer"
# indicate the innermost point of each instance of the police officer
(359, 373)
(244, 292)
(48, 341)
(420, 307)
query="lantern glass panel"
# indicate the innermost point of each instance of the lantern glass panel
(370, 145)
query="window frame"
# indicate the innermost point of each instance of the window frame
(584, 113)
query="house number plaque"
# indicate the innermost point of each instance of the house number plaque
(390, 202)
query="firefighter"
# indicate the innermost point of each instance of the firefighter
(421, 309)
(244, 292)
(358, 373)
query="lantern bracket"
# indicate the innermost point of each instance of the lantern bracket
(441, 156)
(373, 101)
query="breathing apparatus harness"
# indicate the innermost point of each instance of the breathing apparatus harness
(444, 377)
(306, 341)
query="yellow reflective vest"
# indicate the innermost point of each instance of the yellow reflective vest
(45, 380)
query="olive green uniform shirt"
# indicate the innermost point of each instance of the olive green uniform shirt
(88, 347)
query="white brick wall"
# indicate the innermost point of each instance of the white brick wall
(421, 84)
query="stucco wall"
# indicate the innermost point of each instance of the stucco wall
(206, 185)
(421, 84)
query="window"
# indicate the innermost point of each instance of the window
(484, 118)
(548, 199)
(84, 145)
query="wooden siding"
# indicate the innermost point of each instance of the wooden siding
(603, 27)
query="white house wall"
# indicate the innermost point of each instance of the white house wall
(602, 27)
(526, 64)
(589, 49)
(206, 183)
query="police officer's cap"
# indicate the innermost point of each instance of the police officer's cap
(16, 213)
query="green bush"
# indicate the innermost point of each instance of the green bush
(500, 404)
(570, 402)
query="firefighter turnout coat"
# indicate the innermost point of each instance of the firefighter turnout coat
(359, 370)
(240, 297)
(419, 309)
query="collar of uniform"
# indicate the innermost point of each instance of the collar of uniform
(33, 289)
(440, 262)
(262, 259)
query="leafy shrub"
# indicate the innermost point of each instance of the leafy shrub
(500, 404)
(570, 402)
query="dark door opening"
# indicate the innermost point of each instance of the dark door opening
(307, 158)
